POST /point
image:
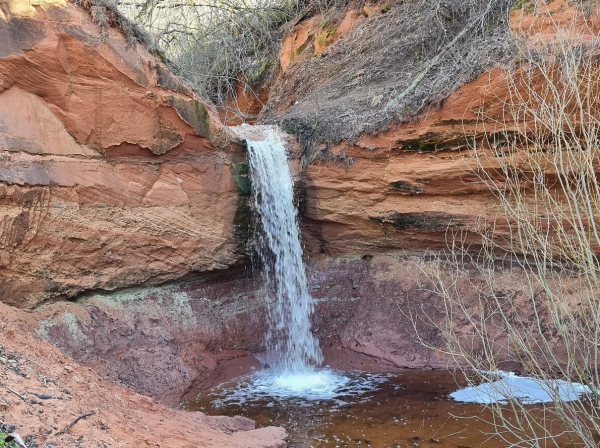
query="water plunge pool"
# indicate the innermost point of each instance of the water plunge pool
(410, 408)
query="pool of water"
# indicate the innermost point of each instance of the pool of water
(407, 409)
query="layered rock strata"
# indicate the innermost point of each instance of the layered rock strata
(412, 186)
(112, 172)
(114, 175)
(373, 313)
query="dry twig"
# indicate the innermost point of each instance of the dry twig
(70, 425)
(22, 397)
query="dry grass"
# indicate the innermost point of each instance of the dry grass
(366, 80)
(216, 44)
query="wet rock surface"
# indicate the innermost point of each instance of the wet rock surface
(175, 341)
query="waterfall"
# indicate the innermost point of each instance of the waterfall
(289, 336)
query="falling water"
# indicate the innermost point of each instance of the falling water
(289, 334)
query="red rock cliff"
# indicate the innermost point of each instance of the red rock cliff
(112, 173)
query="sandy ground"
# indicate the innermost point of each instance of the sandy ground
(42, 392)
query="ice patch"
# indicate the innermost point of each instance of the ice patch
(525, 389)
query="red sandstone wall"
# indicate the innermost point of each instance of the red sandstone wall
(112, 172)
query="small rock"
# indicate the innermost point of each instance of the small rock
(3, 360)
(434, 440)
(69, 369)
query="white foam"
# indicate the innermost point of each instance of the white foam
(310, 385)
(525, 389)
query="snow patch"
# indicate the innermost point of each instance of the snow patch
(525, 389)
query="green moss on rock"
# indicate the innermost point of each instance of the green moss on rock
(193, 112)
(431, 221)
(406, 187)
(240, 173)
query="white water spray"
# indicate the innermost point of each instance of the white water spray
(295, 350)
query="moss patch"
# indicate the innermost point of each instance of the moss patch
(518, 5)
(241, 175)
(431, 221)
(5, 430)
(243, 224)
(406, 187)
(193, 112)
(418, 146)
(5, 444)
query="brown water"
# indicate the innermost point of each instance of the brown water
(409, 409)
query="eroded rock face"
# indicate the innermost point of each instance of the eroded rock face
(112, 173)
(175, 340)
(115, 416)
(405, 186)
(412, 185)
(164, 340)
(371, 313)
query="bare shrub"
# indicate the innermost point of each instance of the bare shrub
(220, 46)
(543, 174)
(105, 13)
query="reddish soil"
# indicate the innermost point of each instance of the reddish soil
(119, 417)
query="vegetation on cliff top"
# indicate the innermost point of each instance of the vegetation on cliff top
(392, 67)
(401, 60)
(216, 44)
